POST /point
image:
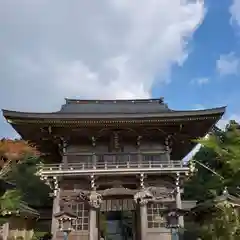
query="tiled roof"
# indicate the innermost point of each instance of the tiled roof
(23, 210)
(114, 106)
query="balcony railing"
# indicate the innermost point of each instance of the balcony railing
(118, 162)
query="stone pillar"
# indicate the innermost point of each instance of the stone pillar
(179, 200)
(141, 198)
(95, 200)
(56, 207)
(143, 215)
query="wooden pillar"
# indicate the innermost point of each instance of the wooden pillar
(139, 157)
(94, 157)
(179, 200)
(168, 148)
(64, 151)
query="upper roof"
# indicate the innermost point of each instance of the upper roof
(114, 106)
(105, 109)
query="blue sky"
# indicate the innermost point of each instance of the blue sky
(202, 85)
(186, 51)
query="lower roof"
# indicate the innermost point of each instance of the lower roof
(22, 211)
(67, 116)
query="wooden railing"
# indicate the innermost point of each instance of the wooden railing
(115, 161)
(107, 165)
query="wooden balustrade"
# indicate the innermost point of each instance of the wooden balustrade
(114, 161)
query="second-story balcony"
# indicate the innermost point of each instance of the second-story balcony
(113, 163)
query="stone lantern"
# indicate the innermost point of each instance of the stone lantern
(65, 220)
(172, 219)
(173, 224)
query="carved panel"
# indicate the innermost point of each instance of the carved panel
(79, 148)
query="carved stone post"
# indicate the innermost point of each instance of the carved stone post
(179, 200)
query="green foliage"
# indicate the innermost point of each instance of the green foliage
(220, 152)
(223, 225)
(218, 166)
(10, 201)
(204, 184)
(28, 186)
(34, 191)
(226, 147)
(41, 235)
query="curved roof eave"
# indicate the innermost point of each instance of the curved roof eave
(58, 115)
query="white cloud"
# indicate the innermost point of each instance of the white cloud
(200, 81)
(101, 49)
(90, 49)
(235, 12)
(228, 64)
(198, 107)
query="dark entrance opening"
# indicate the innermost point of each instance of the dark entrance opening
(117, 225)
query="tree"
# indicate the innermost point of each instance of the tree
(33, 191)
(218, 220)
(220, 152)
(18, 163)
(13, 152)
